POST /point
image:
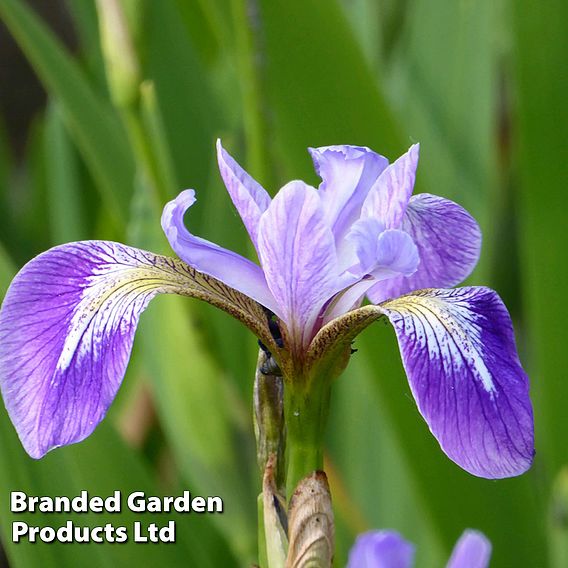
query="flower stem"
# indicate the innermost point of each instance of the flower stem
(306, 408)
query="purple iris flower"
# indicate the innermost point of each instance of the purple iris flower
(68, 320)
(387, 549)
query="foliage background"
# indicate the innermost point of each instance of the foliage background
(482, 85)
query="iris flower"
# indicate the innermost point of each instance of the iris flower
(387, 549)
(68, 319)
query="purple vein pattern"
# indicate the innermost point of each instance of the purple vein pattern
(66, 333)
(459, 354)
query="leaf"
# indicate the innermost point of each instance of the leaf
(310, 524)
(92, 122)
(188, 107)
(67, 221)
(320, 88)
(447, 100)
(541, 157)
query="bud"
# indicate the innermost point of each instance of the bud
(311, 530)
(121, 62)
(268, 402)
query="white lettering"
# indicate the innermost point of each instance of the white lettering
(214, 505)
(198, 504)
(18, 529)
(136, 502)
(138, 536)
(18, 502)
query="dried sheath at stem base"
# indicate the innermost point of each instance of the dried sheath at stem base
(311, 530)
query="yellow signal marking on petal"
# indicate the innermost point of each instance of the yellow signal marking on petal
(98, 294)
(446, 332)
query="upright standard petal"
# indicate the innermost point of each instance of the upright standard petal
(448, 240)
(458, 350)
(297, 253)
(381, 549)
(389, 196)
(249, 197)
(348, 172)
(66, 330)
(229, 267)
(473, 550)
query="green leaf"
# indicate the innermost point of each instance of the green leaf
(320, 88)
(190, 113)
(92, 121)
(84, 14)
(447, 97)
(67, 222)
(542, 49)
(7, 270)
(6, 158)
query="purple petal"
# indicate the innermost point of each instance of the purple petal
(379, 252)
(396, 253)
(473, 550)
(209, 258)
(448, 240)
(381, 549)
(297, 253)
(348, 172)
(389, 196)
(249, 197)
(66, 330)
(458, 350)
(347, 300)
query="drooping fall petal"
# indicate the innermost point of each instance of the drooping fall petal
(67, 326)
(459, 353)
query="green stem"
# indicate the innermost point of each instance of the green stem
(306, 409)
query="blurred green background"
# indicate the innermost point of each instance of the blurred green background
(124, 126)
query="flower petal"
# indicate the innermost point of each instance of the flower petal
(348, 172)
(448, 240)
(396, 254)
(458, 350)
(66, 330)
(381, 549)
(388, 198)
(380, 255)
(249, 197)
(473, 550)
(229, 267)
(297, 253)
